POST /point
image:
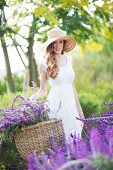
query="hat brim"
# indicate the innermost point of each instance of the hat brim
(70, 43)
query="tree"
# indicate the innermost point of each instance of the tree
(85, 20)
(3, 30)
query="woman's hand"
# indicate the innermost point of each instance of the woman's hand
(41, 93)
(33, 97)
(81, 114)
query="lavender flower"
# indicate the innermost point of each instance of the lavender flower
(27, 113)
(33, 162)
(33, 86)
(82, 153)
(95, 141)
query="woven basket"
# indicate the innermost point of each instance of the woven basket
(37, 137)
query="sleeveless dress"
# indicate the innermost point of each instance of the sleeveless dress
(62, 100)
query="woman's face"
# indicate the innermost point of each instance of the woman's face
(58, 46)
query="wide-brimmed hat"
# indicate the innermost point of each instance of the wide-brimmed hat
(58, 34)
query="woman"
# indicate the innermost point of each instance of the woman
(56, 69)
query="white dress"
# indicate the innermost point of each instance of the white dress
(61, 95)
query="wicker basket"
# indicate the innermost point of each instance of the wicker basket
(37, 137)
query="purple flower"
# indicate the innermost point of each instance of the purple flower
(97, 142)
(27, 113)
(33, 162)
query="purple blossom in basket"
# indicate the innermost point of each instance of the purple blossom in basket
(27, 113)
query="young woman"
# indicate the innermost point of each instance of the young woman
(56, 69)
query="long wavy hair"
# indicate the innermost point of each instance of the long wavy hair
(52, 69)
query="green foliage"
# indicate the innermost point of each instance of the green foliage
(3, 88)
(18, 82)
(2, 3)
(94, 80)
(92, 95)
(5, 31)
(90, 103)
(7, 98)
(78, 18)
(2, 166)
(9, 156)
(102, 162)
(47, 14)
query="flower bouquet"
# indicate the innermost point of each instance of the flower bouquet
(30, 126)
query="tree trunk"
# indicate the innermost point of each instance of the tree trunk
(10, 82)
(33, 72)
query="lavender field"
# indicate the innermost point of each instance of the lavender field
(93, 152)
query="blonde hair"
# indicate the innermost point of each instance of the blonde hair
(52, 68)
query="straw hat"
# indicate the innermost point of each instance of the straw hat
(58, 34)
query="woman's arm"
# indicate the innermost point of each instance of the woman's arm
(43, 84)
(80, 112)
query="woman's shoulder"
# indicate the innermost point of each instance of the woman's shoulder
(42, 65)
(43, 62)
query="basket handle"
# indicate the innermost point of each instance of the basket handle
(14, 100)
